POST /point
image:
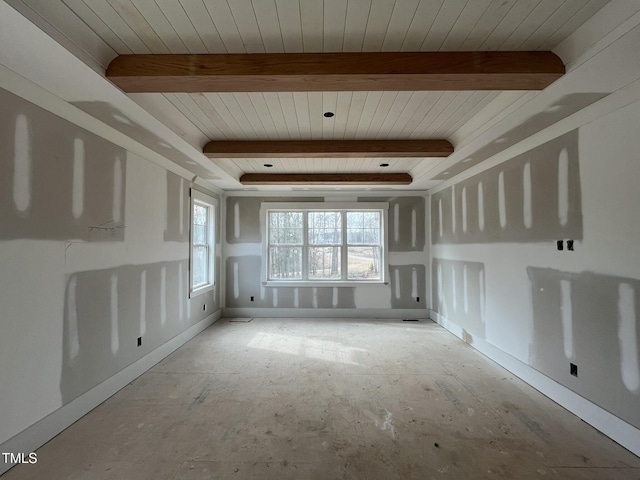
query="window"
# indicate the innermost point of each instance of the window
(322, 243)
(202, 243)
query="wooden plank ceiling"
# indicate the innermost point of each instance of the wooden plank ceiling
(101, 30)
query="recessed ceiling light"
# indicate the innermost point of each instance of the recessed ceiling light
(384, 164)
(329, 114)
(268, 165)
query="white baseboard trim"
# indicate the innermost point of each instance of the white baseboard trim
(615, 428)
(45, 429)
(326, 312)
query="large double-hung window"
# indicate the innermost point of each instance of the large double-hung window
(325, 243)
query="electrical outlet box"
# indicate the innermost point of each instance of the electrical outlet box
(573, 369)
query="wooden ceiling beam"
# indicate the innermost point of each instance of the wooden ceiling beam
(326, 179)
(312, 72)
(328, 149)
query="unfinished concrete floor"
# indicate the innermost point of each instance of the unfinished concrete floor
(329, 399)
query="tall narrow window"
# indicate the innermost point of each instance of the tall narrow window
(202, 243)
(325, 245)
(285, 245)
(364, 245)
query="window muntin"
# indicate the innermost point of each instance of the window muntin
(325, 245)
(202, 243)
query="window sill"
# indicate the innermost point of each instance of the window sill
(300, 283)
(201, 290)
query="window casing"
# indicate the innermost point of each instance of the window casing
(324, 244)
(202, 243)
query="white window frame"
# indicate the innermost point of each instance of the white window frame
(200, 198)
(343, 207)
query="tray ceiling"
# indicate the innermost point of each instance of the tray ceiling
(99, 30)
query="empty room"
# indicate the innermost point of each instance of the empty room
(319, 239)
